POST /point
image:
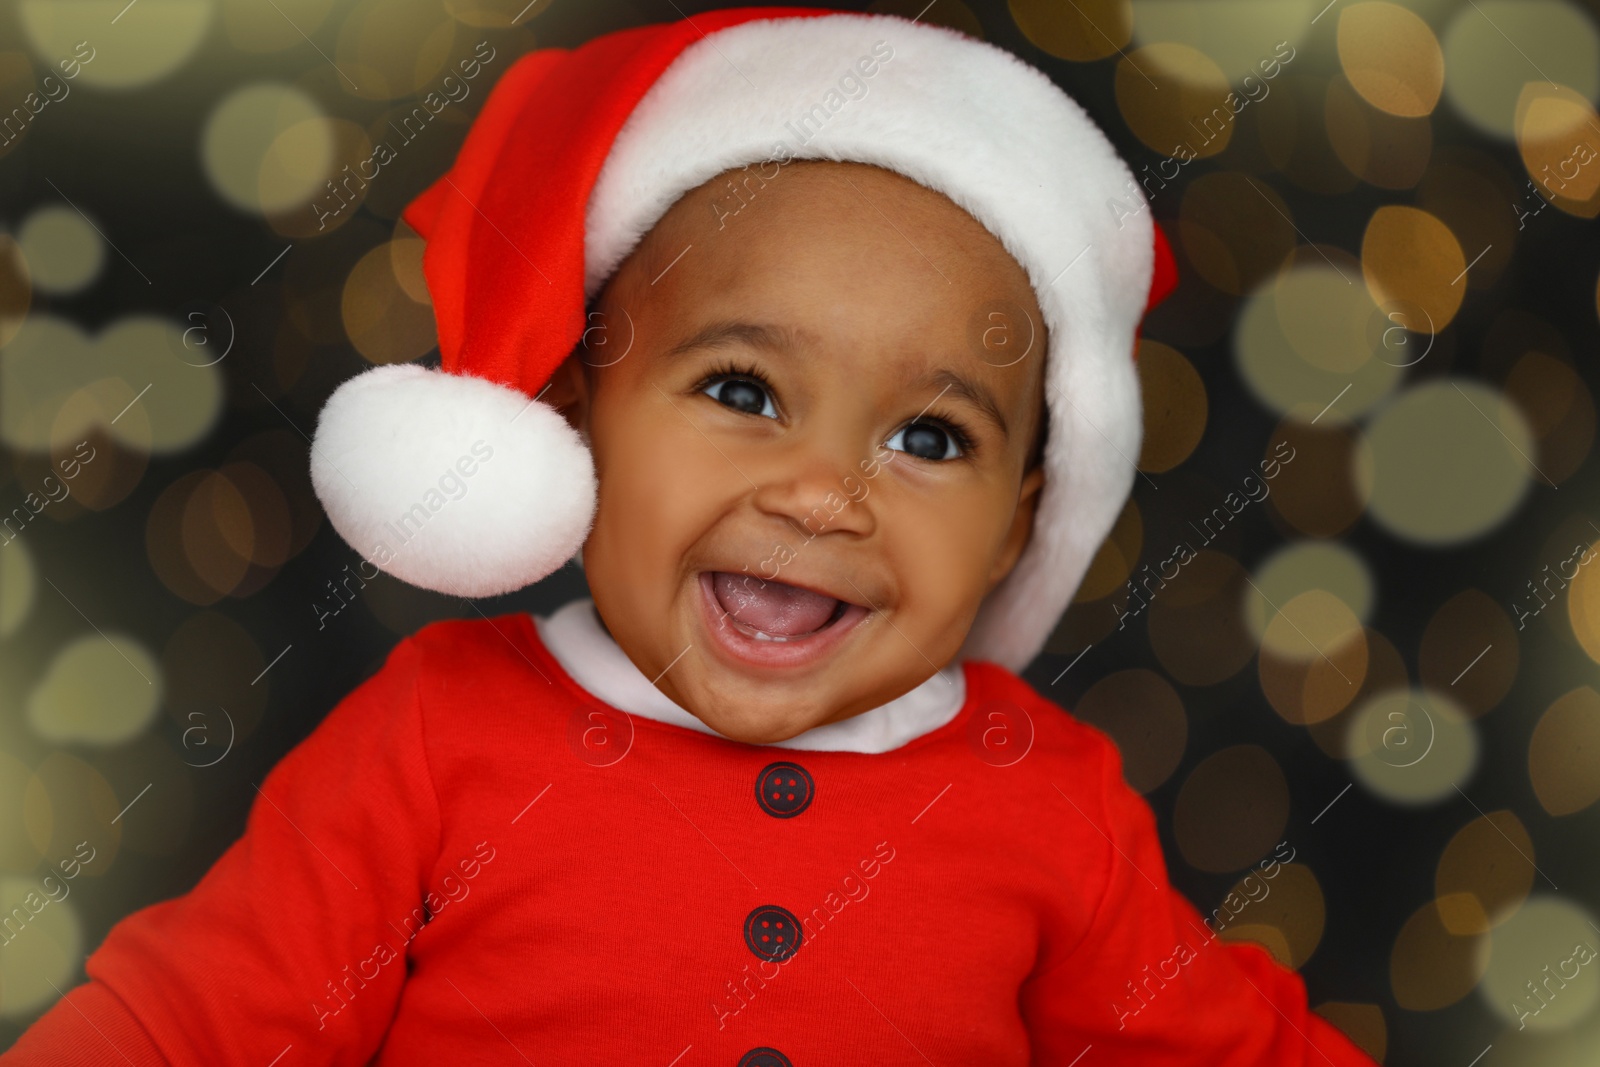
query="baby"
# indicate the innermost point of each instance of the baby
(717, 310)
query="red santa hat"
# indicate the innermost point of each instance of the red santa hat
(577, 154)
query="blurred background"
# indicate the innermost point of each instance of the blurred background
(1370, 417)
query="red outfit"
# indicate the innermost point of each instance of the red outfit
(474, 861)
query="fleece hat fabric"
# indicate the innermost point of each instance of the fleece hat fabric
(578, 153)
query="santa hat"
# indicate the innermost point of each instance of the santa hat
(577, 154)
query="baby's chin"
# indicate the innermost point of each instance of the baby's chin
(763, 723)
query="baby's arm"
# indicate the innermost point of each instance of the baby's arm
(275, 947)
(1148, 984)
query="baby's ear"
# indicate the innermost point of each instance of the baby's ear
(568, 391)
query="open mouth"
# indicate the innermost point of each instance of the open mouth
(774, 611)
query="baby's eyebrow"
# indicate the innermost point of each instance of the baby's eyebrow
(782, 339)
(959, 385)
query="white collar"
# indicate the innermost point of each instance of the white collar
(573, 635)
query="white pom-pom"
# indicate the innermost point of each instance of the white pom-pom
(450, 482)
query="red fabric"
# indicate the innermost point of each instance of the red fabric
(585, 908)
(504, 258)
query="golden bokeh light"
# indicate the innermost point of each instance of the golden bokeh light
(1468, 191)
(1540, 966)
(267, 148)
(1245, 38)
(1307, 335)
(382, 320)
(1174, 398)
(392, 48)
(1313, 625)
(499, 15)
(1391, 58)
(1144, 715)
(42, 954)
(405, 259)
(1445, 462)
(98, 690)
(1430, 967)
(1564, 753)
(153, 38)
(1231, 810)
(255, 27)
(1115, 559)
(1083, 31)
(1300, 567)
(1324, 498)
(1293, 135)
(1560, 411)
(1492, 48)
(1235, 230)
(63, 251)
(1175, 100)
(1285, 914)
(17, 586)
(1485, 873)
(217, 532)
(1361, 1023)
(1411, 747)
(66, 803)
(1411, 259)
(1385, 671)
(17, 850)
(1379, 148)
(1558, 136)
(1196, 622)
(16, 288)
(51, 359)
(1583, 608)
(1470, 650)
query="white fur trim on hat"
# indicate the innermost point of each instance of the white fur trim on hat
(998, 138)
(451, 482)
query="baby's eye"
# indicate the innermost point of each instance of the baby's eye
(742, 394)
(925, 440)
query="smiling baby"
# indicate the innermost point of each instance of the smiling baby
(810, 337)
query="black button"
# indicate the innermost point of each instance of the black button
(764, 1057)
(772, 932)
(784, 790)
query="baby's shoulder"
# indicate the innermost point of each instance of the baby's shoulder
(1014, 720)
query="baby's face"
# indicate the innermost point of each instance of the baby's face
(811, 422)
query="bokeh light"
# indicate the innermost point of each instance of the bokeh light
(1445, 462)
(1540, 965)
(1286, 918)
(1232, 809)
(1485, 873)
(1492, 48)
(1412, 747)
(267, 148)
(42, 955)
(63, 251)
(96, 690)
(1564, 753)
(1391, 58)
(1175, 407)
(1430, 967)
(1083, 31)
(1470, 650)
(153, 38)
(1144, 715)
